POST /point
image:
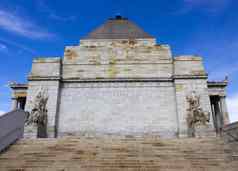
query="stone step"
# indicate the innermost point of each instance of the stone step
(117, 154)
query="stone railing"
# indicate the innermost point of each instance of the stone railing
(11, 127)
(230, 132)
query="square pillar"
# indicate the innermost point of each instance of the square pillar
(224, 110)
(14, 104)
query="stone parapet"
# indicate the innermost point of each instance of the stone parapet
(189, 66)
(230, 132)
(117, 59)
(107, 42)
(45, 68)
(217, 88)
(115, 53)
(47, 60)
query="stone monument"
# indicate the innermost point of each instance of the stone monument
(119, 81)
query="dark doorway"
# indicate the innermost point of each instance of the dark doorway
(21, 103)
(217, 113)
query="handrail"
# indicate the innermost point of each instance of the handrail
(231, 130)
(233, 137)
(11, 127)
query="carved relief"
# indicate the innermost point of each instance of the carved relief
(38, 115)
(196, 116)
(70, 54)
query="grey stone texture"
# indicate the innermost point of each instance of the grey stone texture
(184, 87)
(135, 108)
(118, 87)
(122, 87)
(52, 88)
(117, 59)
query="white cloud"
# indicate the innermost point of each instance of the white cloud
(2, 112)
(232, 104)
(21, 25)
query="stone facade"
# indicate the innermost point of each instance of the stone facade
(121, 86)
(129, 108)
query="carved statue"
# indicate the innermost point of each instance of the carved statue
(38, 115)
(196, 116)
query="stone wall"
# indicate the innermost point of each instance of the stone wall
(163, 70)
(44, 76)
(52, 89)
(117, 59)
(129, 108)
(190, 76)
(189, 66)
(184, 88)
(119, 87)
(45, 68)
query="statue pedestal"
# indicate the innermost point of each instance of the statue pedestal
(201, 130)
(30, 131)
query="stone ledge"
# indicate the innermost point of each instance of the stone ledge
(43, 78)
(188, 58)
(47, 60)
(118, 62)
(190, 76)
(18, 86)
(78, 79)
(118, 80)
(217, 83)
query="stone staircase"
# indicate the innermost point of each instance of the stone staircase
(114, 153)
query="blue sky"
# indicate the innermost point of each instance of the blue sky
(30, 29)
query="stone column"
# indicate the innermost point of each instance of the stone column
(214, 114)
(224, 110)
(14, 103)
(218, 114)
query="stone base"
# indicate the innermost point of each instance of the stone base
(204, 131)
(30, 132)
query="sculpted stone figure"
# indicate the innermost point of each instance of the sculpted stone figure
(38, 115)
(196, 116)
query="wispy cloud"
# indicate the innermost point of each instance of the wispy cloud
(232, 103)
(7, 42)
(3, 47)
(60, 18)
(22, 26)
(43, 7)
(210, 6)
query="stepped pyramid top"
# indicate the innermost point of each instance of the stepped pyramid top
(118, 28)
